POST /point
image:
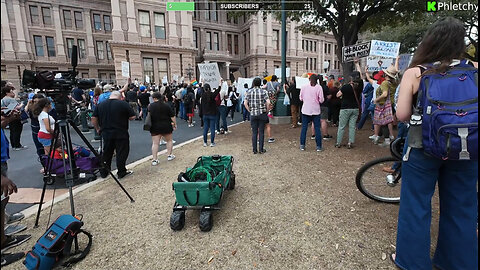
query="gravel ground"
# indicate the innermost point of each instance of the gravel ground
(289, 210)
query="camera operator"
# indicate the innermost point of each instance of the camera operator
(79, 98)
(16, 126)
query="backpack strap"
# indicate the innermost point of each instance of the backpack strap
(83, 254)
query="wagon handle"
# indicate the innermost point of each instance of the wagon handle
(186, 198)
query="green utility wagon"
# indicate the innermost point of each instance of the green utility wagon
(201, 187)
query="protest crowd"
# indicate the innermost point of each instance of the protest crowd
(321, 107)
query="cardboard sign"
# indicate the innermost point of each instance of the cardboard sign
(175, 77)
(210, 74)
(147, 79)
(278, 72)
(299, 82)
(377, 63)
(237, 75)
(384, 48)
(125, 69)
(165, 79)
(404, 61)
(349, 53)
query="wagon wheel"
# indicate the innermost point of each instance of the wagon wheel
(177, 220)
(206, 220)
(231, 184)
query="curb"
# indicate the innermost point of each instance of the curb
(32, 210)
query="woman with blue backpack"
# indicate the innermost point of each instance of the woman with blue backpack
(441, 147)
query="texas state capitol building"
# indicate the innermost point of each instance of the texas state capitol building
(39, 35)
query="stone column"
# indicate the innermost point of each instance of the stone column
(299, 44)
(136, 65)
(227, 66)
(261, 35)
(186, 26)
(120, 55)
(88, 28)
(61, 56)
(22, 52)
(292, 42)
(269, 34)
(6, 34)
(224, 44)
(172, 29)
(117, 32)
(319, 56)
(132, 22)
(25, 29)
(253, 38)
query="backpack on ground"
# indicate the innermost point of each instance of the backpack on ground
(54, 247)
(448, 105)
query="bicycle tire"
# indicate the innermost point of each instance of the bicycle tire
(360, 180)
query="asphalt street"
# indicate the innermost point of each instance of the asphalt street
(24, 167)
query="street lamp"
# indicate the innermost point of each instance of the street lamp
(189, 71)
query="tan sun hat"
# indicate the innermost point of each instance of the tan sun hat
(391, 72)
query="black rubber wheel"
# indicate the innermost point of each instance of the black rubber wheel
(206, 221)
(177, 220)
(231, 184)
(372, 180)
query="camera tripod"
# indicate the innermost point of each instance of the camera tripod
(71, 171)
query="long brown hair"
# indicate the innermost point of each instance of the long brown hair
(42, 103)
(443, 41)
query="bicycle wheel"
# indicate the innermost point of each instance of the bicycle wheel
(376, 183)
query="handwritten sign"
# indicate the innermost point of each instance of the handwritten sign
(377, 63)
(299, 82)
(175, 77)
(164, 79)
(125, 69)
(349, 53)
(404, 61)
(210, 74)
(147, 79)
(384, 48)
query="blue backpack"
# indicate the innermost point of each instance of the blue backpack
(448, 103)
(55, 245)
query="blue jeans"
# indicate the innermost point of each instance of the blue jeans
(457, 245)
(209, 122)
(258, 131)
(222, 114)
(306, 119)
(183, 114)
(363, 118)
(38, 145)
(246, 114)
(144, 113)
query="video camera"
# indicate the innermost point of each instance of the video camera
(57, 80)
(58, 84)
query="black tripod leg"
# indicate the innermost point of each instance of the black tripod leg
(98, 156)
(47, 173)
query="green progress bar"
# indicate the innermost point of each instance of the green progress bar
(180, 6)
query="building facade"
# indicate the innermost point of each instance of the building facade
(157, 43)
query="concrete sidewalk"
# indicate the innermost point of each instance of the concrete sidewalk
(290, 210)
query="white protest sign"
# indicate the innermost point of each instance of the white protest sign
(240, 85)
(165, 79)
(147, 79)
(278, 72)
(125, 69)
(404, 61)
(210, 74)
(349, 53)
(175, 77)
(377, 63)
(299, 82)
(384, 48)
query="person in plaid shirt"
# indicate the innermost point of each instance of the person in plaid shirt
(257, 103)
